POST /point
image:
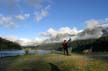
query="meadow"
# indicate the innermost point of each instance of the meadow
(53, 62)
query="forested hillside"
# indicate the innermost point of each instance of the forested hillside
(50, 46)
(8, 45)
(96, 45)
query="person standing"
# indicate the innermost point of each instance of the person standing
(69, 42)
(69, 45)
(65, 47)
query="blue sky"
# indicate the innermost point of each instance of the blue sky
(28, 18)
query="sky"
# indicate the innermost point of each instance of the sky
(31, 19)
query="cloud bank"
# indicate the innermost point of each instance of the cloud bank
(42, 13)
(24, 41)
(61, 34)
(18, 11)
(94, 29)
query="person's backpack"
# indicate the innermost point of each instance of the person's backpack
(65, 45)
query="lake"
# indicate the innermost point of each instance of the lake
(22, 52)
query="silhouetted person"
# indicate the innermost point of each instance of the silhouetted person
(69, 45)
(65, 47)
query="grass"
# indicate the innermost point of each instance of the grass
(53, 62)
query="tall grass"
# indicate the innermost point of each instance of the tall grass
(55, 62)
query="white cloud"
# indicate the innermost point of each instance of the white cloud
(93, 29)
(7, 21)
(92, 23)
(36, 41)
(21, 41)
(42, 13)
(61, 34)
(52, 35)
(40, 10)
(67, 30)
(10, 21)
(11, 38)
(16, 4)
(24, 41)
(63, 31)
(90, 33)
(22, 16)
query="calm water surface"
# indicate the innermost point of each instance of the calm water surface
(22, 52)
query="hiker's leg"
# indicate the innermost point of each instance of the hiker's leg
(64, 51)
(67, 51)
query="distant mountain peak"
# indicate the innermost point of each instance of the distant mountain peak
(92, 33)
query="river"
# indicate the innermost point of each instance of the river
(22, 52)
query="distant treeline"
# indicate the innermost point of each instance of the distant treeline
(96, 45)
(49, 46)
(8, 45)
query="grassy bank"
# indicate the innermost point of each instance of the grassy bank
(53, 62)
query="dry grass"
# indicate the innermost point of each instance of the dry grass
(60, 62)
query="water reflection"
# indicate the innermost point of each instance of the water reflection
(22, 52)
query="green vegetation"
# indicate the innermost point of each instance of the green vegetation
(96, 45)
(8, 45)
(50, 46)
(53, 62)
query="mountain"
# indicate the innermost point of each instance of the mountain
(88, 33)
(95, 45)
(93, 33)
(8, 45)
(50, 46)
(96, 38)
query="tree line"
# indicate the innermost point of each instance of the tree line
(96, 45)
(8, 45)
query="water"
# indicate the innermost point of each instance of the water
(22, 52)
